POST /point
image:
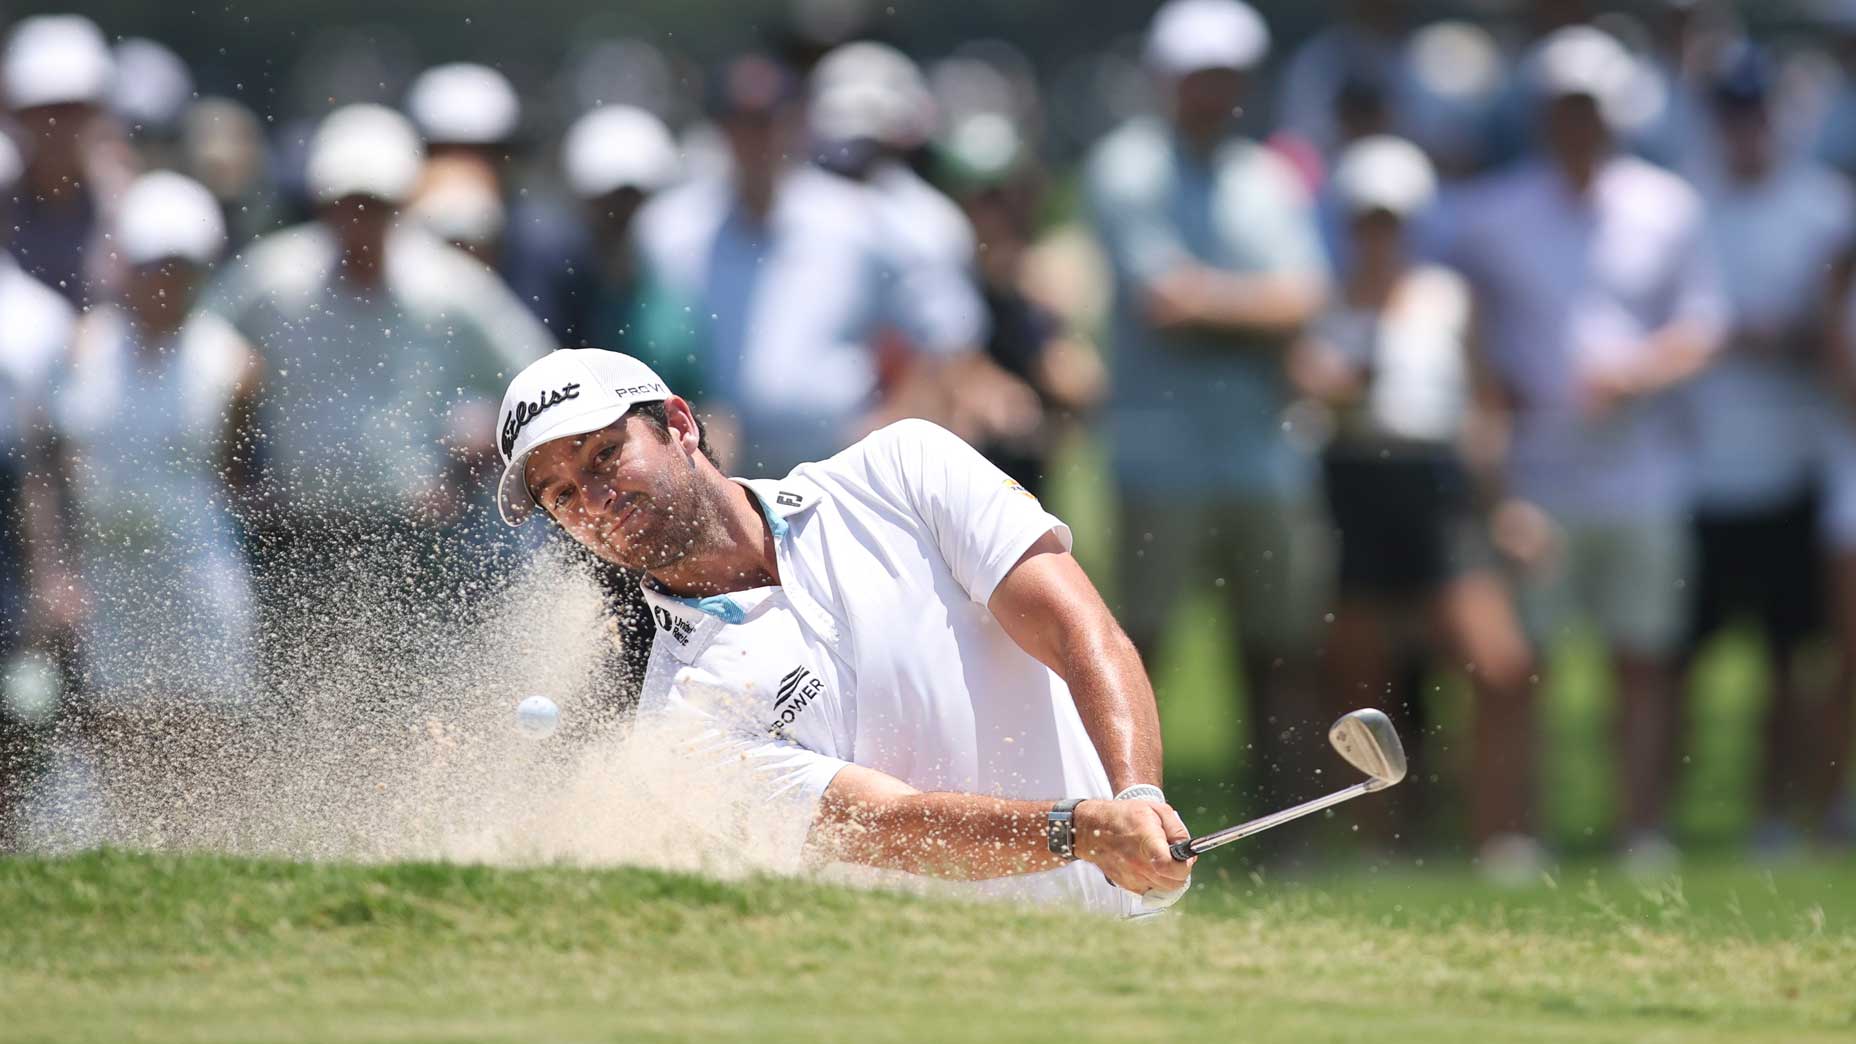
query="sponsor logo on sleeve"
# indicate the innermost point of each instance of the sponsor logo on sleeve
(1012, 484)
(798, 688)
(517, 419)
(785, 499)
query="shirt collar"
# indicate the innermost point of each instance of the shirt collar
(688, 624)
(782, 499)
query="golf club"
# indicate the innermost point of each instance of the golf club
(1365, 738)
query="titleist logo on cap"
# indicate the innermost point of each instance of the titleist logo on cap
(525, 412)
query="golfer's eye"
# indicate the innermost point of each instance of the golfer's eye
(562, 496)
(606, 454)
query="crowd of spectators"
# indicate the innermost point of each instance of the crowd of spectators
(1485, 330)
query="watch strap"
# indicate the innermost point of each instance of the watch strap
(1060, 829)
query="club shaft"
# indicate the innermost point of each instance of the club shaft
(1206, 842)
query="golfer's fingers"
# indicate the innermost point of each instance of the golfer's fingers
(1174, 826)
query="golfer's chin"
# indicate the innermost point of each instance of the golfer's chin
(646, 552)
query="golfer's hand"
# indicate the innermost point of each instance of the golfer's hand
(1128, 841)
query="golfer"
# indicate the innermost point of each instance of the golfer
(893, 647)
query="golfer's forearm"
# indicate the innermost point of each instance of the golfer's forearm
(1115, 701)
(960, 836)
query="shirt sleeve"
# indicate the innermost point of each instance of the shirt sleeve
(750, 788)
(979, 518)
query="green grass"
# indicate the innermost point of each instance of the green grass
(113, 947)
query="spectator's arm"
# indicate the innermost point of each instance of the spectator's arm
(1684, 345)
(1201, 297)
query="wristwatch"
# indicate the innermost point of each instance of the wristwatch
(1060, 829)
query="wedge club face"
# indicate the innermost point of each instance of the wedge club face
(1368, 741)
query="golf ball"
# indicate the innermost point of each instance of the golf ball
(537, 717)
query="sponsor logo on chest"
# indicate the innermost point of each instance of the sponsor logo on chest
(798, 688)
(676, 627)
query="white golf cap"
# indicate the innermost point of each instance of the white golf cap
(464, 103)
(615, 147)
(163, 215)
(1582, 60)
(363, 150)
(1382, 172)
(1191, 35)
(56, 60)
(569, 391)
(870, 90)
(153, 85)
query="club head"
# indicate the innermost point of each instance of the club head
(1368, 741)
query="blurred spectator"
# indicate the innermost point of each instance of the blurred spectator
(793, 273)
(384, 349)
(1391, 355)
(35, 335)
(1679, 134)
(1361, 56)
(471, 118)
(1834, 140)
(1777, 225)
(151, 91)
(1597, 295)
(870, 113)
(222, 146)
(57, 72)
(616, 158)
(1459, 72)
(1218, 267)
(989, 168)
(153, 420)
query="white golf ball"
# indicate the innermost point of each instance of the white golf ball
(537, 717)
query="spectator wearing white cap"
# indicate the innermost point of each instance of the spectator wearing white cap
(35, 335)
(1598, 297)
(56, 74)
(467, 115)
(1218, 267)
(869, 113)
(379, 340)
(470, 118)
(1390, 355)
(154, 430)
(616, 158)
(796, 275)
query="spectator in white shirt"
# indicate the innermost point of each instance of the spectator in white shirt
(1597, 296)
(796, 275)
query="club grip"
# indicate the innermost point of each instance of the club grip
(1182, 850)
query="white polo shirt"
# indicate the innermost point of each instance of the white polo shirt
(877, 649)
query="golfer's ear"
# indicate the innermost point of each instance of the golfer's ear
(682, 421)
